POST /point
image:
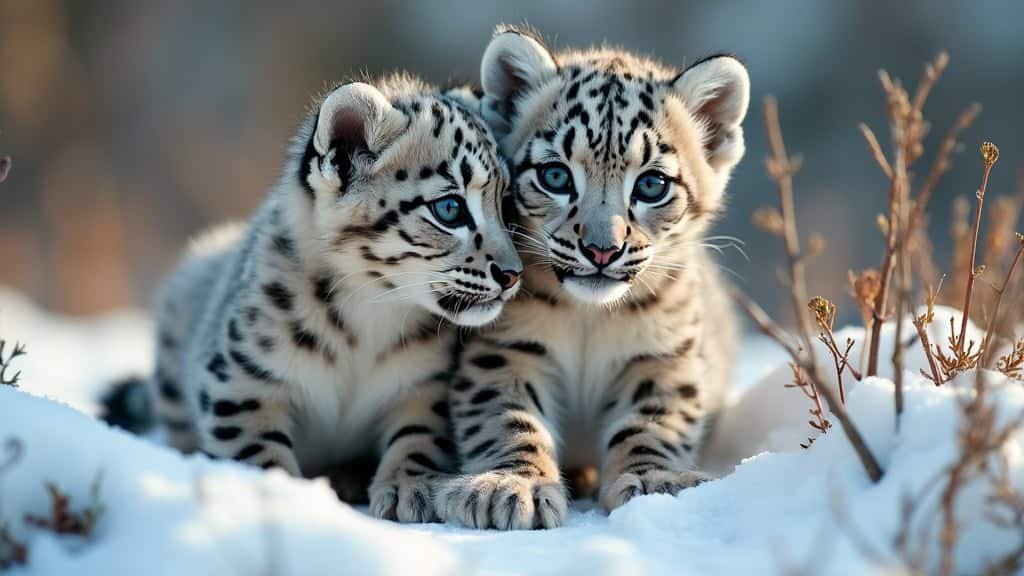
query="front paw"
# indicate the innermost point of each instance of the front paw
(628, 485)
(503, 501)
(406, 499)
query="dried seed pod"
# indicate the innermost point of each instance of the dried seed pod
(824, 311)
(989, 153)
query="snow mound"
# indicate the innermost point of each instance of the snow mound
(73, 359)
(164, 513)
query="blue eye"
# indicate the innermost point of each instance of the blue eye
(450, 211)
(650, 187)
(555, 178)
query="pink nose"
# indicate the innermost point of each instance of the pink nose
(505, 278)
(600, 256)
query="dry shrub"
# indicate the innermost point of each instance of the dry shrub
(887, 293)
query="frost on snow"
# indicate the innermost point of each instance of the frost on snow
(781, 508)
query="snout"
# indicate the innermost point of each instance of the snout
(601, 256)
(507, 278)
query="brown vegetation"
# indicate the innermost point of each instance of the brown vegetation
(7, 361)
(60, 519)
(887, 293)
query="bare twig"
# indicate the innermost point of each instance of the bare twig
(876, 149)
(901, 221)
(989, 154)
(781, 168)
(921, 323)
(1012, 364)
(825, 314)
(994, 319)
(819, 421)
(5, 364)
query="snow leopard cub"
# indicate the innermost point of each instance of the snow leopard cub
(315, 336)
(620, 346)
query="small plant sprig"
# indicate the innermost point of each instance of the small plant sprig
(1012, 364)
(987, 344)
(921, 324)
(5, 364)
(62, 519)
(963, 354)
(825, 315)
(989, 155)
(818, 419)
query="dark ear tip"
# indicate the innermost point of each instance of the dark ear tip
(716, 56)
(523, 30)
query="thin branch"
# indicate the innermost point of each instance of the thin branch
(990, 154)
(6, 362)
(921, 323)
(764, 323)
(994, 319)
(781, 169)
(876, 149)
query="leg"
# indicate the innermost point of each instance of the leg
(246, 415)
(416, 451)
(500, 402)
(652, 430)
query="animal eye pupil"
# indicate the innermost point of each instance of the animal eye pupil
(556, 178)
(448, 210)
(650, 187)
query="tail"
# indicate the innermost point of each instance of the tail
(127, 405)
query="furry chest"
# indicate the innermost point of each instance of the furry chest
(342, 409)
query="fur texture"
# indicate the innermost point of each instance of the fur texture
(619, 349)
(317, 336)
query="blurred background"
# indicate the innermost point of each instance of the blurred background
(134, 125)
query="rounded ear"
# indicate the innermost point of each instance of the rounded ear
(514, 63)
(717, 91)
(356, 117)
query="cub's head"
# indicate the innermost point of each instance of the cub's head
(405, 187)
(620, 163)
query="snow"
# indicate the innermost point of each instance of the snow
(780, 507)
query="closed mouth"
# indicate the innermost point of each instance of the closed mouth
(456, 303)
(597, 278)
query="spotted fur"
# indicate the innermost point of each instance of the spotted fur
(319, 335)
(620, 347)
